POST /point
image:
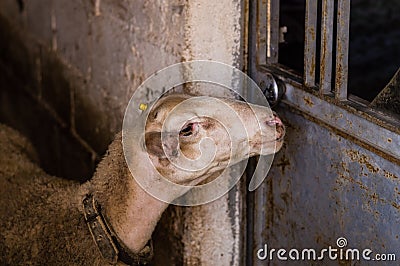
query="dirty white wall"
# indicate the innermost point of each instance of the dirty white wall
(214, 30)
(80, 61)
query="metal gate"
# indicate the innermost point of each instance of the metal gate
(335, 185)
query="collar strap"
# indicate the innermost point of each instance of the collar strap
(110, 247)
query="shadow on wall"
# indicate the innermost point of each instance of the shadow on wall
(38, 97)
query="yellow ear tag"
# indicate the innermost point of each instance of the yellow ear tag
(143, 106)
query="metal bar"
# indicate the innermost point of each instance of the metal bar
(370, 133)
(261, 31)
(310, 43)
(326, 46)
(342, 49)
(272, 31)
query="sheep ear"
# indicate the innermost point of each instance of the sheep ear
(154, 145)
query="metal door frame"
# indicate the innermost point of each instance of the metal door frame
(319, 101)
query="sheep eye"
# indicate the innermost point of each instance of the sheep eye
(155, 115)
(187, 130)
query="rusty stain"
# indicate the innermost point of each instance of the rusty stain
(397, 206)
(374, 196)
(362, 159)
(287, 198)
(312, 70)
(390, 175)
(344, 167)
(352, 180)
(308, 101)
(283, 163)
(312, 33)
(271, 206)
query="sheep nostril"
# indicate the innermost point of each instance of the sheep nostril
(276, 121)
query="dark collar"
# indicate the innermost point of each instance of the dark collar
(110, 247)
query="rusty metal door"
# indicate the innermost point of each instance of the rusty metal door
(335, 185)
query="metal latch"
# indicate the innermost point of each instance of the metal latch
(272, 88)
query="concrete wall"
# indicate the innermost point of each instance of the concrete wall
(70, 68)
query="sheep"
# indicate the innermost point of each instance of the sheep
(108, 220)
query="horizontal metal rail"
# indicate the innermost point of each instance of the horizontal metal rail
(368, 132)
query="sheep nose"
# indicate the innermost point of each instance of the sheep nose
(275, 121)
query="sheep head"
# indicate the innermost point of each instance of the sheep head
(188, 139)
